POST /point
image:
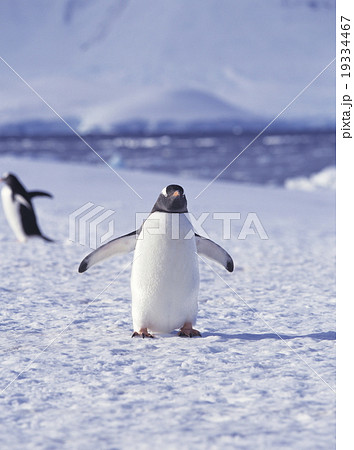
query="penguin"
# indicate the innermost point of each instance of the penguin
(18, 208)
(165, 270)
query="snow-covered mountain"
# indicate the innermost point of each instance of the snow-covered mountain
(177, 62)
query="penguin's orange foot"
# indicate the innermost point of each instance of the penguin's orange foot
(188, 331)
(143, 332)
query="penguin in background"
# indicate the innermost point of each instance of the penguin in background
(165, 270)
(18, 208)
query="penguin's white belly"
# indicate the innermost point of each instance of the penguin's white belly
(165, 276)
(12, 213)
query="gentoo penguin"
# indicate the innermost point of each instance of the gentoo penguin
(165, 271)
(19, 212)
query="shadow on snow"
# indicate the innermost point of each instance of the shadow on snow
(322, 336)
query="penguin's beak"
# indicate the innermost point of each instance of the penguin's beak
(175, 194)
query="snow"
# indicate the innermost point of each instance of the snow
(85, 58)
(156, 105)
(262, 375)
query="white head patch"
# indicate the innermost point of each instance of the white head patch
(164, 192)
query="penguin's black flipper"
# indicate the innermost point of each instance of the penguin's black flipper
(123, 244)
(213, 251)
(46, 238)
(39, 194)
(29, 222)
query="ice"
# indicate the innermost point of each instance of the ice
(325, 179)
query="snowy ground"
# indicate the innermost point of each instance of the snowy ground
(261, 377)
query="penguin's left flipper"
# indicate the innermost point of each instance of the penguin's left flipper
(123, 244)
(213, 251)
(39, 194)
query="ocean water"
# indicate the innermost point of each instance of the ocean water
(272, 159)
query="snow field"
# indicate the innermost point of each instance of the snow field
(260, 377)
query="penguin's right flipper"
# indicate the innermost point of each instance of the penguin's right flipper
(123, 244)
(39, 194)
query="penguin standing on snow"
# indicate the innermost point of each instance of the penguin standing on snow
(19, 212)
(165, 272)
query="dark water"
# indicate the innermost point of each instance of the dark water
(271, 159)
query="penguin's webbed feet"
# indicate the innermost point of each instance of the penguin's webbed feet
(188, 331)
(143, 332)
(191, 333)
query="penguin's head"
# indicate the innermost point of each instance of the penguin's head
(171, 199)
(10, 179)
